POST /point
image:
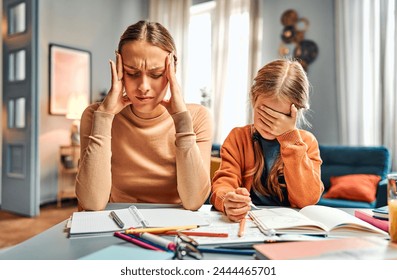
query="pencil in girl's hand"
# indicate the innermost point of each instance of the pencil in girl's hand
(241, 228)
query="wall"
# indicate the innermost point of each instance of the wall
(96, 25)
(93, 25)
(322, 73)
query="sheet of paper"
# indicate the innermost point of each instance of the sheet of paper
(219, 223)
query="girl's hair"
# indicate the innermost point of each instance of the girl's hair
(151, 32)
(287, 80)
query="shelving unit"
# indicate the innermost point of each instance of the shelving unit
(67, 171)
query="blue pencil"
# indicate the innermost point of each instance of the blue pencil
(226, 251)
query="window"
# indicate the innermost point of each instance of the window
(229, 106)
(199, 54)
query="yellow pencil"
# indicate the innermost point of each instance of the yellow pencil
(160, 229)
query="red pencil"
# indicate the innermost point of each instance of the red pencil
(136, 241)
(197, 233)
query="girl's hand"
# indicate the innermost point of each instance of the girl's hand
(277, 123)
(237, 204)
(116, 100)
(175, 104)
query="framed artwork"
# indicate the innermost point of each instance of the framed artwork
(70, 75)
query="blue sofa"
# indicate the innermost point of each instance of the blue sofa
(343, 160)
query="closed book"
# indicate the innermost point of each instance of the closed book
(356, 248)
(381, 212)
(366, 215)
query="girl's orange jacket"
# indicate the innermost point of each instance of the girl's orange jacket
(302, 166)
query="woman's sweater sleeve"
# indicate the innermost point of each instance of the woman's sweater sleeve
(93, 181)
(302, 167)
(193, 155)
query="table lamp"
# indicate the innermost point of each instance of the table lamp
(76, 105)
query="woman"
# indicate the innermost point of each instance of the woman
(140, 145)
(270, 162)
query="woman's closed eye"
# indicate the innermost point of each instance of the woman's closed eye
(156, 75)
(133, 74)
(138, 74)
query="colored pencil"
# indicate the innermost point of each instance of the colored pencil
(157, 240)
(197, 233)
(241, 229)
(159, 230)
(136, 241)
(226, 251)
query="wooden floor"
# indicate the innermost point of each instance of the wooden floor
(15, 229)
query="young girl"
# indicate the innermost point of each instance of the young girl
(139, 144)
(270, 162)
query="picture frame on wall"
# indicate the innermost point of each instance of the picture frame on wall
(69, 75)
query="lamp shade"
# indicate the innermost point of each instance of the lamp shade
(76, 105)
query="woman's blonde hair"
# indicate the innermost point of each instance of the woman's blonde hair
(151, 32)
(285, 79)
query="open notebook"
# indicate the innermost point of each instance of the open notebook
(314, 220)
(100, 222)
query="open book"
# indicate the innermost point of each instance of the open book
(314, 220)
(100, 222)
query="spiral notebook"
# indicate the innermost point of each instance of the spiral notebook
(100, 222)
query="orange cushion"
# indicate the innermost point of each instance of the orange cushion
(360, 187)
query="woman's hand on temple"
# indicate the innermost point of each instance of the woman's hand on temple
(116, 100)
(237, 204)
(175, 104)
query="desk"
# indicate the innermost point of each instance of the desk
(53, 244)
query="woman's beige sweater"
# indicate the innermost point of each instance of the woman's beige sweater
(125, 158)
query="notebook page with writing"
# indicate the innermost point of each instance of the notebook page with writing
(286, 220)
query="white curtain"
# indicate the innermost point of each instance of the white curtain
(222, 31)
(366, 71)
(389, 76)
(174, 15)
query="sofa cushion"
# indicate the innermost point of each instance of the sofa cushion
(345, 160)
(357, 187)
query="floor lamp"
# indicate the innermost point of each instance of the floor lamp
(76, 105)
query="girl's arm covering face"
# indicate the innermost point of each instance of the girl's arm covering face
(275, 123)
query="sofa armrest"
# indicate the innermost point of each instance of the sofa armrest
(381, 194)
